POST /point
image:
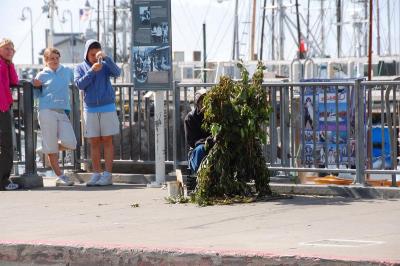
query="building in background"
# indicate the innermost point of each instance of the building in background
(70, 45)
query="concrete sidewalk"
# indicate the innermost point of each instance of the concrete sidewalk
(99, 226)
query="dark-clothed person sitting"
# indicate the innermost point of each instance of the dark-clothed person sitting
(196, 136)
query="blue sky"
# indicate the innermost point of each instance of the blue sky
(187, 19)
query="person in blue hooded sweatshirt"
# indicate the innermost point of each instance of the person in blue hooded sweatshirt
(101, 122)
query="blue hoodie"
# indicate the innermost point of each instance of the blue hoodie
(96, 85)
(55, 88)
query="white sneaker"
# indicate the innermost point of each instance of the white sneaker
(64, 181)
(105, 180)
(93, 180)
(12, 186)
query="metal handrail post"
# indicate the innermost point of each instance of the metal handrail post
(273, 128)
(76, 114)
(30, 165)
(360, 132)
(30, 179)
(285, 119)
(177, 123)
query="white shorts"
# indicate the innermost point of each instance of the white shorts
(100, 124)
(56, 129)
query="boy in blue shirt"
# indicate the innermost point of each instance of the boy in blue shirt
(57, 131)
(101, 122)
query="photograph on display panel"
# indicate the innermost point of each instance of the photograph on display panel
(159, 32)
(308, 113)
(144, 14)
(151, 64)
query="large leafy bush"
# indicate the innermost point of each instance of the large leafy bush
(236, 113)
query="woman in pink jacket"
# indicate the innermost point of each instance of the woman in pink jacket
(8, 77)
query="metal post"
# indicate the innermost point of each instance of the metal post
(253, 32)
(204, 54)
(98, 20)
(365, 35)
(235, 48)
(281, 30)
(115, 31)
(177, 124)
(76, 114)
(339, 27)
(159, 139)
(52, 7)
(300, 55)
(360, 132)
(147, 121)
(273, 32)
(389, 23)
(378, 29)
(285, 127)
(274, 126)
(30, 179)
(370, 41)
(30, 167)
(262, 30)
(322, 15)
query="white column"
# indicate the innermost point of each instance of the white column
(330, 71)
(350, 69)
(296, 71)
(309, 70)
(159, 138)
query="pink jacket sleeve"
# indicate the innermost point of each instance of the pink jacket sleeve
(13, 75)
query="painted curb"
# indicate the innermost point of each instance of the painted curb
(72, 254)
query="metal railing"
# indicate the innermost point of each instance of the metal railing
(346, 131)
(349, 131)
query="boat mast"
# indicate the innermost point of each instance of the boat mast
(273, 31)
(262, 30)
(253, 32)
(322, 11)
(370, 41)
(281, 30)
(308, 19)
(235, 45)
(366, 35)
(378, 29)
(339, 26)
(300, 53)
(389, 28)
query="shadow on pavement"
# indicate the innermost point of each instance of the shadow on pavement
(319, 200)
(83, 187)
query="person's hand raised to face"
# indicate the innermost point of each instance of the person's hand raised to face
(93, 56)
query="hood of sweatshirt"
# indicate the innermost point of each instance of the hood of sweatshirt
(87, 45)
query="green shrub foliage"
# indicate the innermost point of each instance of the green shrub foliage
(236, 113)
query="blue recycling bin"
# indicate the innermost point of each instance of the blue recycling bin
(380, 147)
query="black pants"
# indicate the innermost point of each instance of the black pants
(6, 149)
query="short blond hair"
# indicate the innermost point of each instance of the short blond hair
(48, 51)
(5, 42)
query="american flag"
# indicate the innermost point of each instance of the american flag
(84, 14)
